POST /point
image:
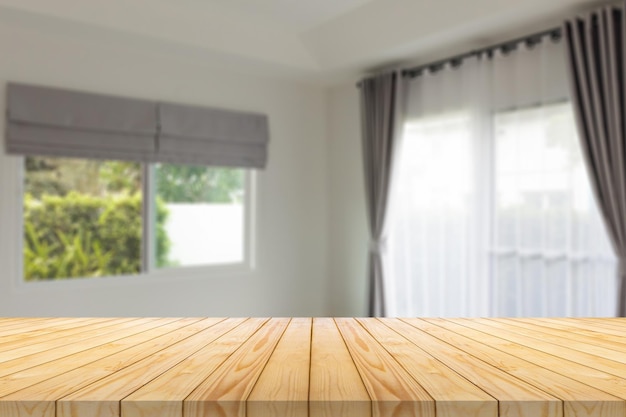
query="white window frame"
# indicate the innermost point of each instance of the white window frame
(149, 272)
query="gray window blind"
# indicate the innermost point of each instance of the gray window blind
(212, 136)
(50, 121)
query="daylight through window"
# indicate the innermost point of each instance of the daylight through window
(502, 224)
(94, 218)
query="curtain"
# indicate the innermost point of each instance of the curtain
(492, 213)
(381, 113)
(595, 46)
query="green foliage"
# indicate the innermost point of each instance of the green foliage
(83, 217)
(43, 177)
(121, 176)
(79, 235)
(79, 257)
(59, 176)
(191, 184)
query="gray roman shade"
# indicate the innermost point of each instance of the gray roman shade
(200, 135)
(50, 121)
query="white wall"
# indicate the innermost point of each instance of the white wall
(291, 273)
(348, 239)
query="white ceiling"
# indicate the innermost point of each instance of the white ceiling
(298, 15)
(325, 40)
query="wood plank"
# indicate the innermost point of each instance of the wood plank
(164, 395)
(144, 367)
(613, 351)
(582, 327)
(108, 335)
(454, 395)
(225, 391)
(26, 321)
(17, 328)
(43, 332)
(336, 388)
(578, 399)
(65, 337)
(610, 338)
(79, 370)
(545, 337)
(49, 369)
(391, 388)
(283, 387)
(611, 323)
(102, 398)
(11, 319)
(27, 334)
(5, 319)
(569, 363)
(516, 398)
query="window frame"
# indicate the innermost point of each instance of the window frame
(149, 272)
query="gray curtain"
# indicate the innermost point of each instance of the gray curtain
(595, 50)
(381, 122)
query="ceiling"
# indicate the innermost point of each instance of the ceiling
(324, 40)
(297, 15)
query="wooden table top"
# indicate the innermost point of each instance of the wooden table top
(174, 367)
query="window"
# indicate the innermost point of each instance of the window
(502, 224)
(92, 218)
(205, 214)
(549, 247)
(170, 207)
(432, 217)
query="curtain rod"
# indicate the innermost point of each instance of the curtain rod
(535, 38)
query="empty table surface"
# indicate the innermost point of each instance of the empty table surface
(176, 367)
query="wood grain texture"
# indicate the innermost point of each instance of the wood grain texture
(453, 394)
(283, 387)
(102, 398)
(580, 327)
(336, 388)
(16, 349)
(516, 398)
(543, 342)
(320, 367)
(73, 374)
(601, 345)
(578, 398)
(36, 328)
(165, 394)
(566, 362)
(34, 358)
(225, 391)
(391, 388)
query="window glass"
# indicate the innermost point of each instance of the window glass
(502, 218)
(205, 214)
(82, 218)
(431, 217)
(536, 158)
(543, 198)
(547, 226)
(85, 218)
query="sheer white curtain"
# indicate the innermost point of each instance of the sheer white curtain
(491, 212)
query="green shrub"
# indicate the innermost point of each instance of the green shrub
(79, 235)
